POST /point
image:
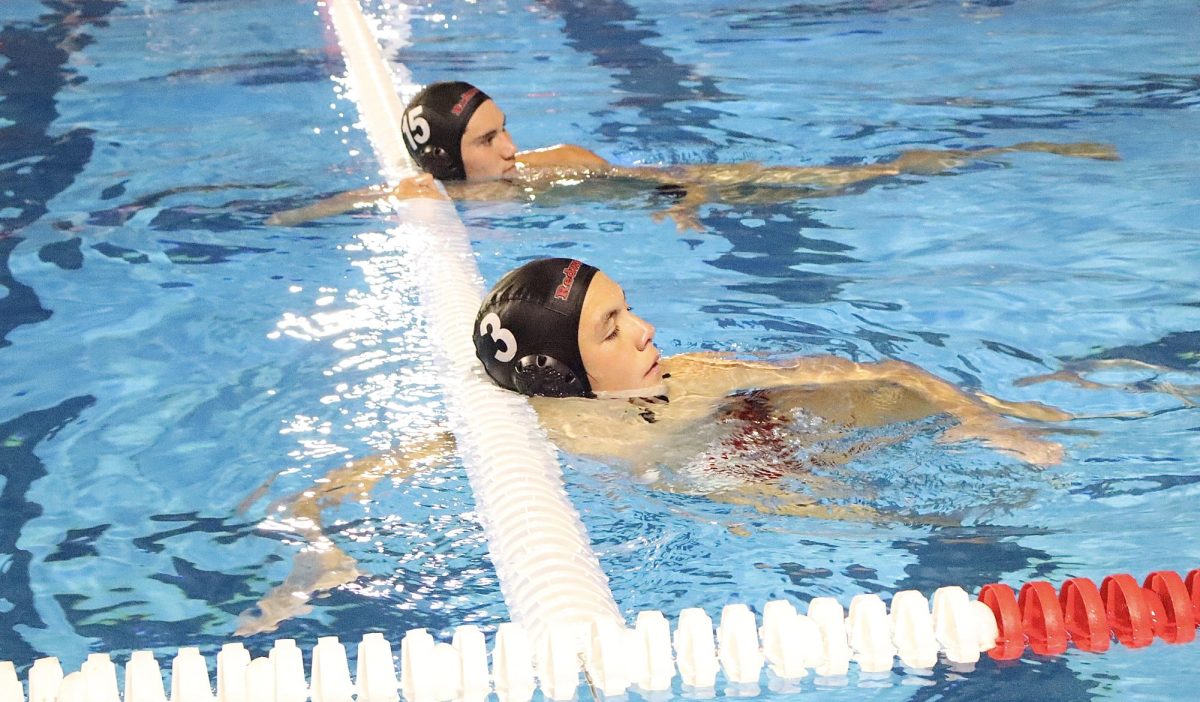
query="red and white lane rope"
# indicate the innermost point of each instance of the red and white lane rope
(779, 648)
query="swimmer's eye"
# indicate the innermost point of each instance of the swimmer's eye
(492, 136)
(616, 330)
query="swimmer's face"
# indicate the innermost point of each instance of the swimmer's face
(616, 345)
(488, 152)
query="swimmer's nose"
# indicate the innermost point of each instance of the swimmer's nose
(647, 333)
(507, 148)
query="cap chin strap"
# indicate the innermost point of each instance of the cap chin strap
(652, 391)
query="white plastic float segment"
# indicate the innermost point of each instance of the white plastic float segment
(986, 628)
(695, 651)
(73, 688)
(830, 619)
(655, 667)
(447, 670)
(10, 685)
(189, 677)
(737, 645)
(498, 437)
(912, 630)
(288, 664)
(416, 666)
(608, 662)
(558, 659)
(472, 653)
(45, 677)
(143, 679)
(330, 672)
(376, 672)
(870, 634)
(260, 679)
(954, 625)
(232, 662)
(512, 664)
(101, 676)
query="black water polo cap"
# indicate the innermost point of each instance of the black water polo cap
(434, 123)
(527, 329)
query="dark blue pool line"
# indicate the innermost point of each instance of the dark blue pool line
(648, 77)
(40, 165)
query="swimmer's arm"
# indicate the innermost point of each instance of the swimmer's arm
(934, 161)
(916, 161)
(773, 498)
(979, 416)
(420, 186)
(725, 183)
(562, 156)
(321, 565)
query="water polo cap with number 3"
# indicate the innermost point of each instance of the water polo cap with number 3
(527, 329)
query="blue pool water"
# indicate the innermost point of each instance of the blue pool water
(170, 367)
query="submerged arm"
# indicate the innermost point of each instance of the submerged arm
(420, 186)
(980, 417)
(322, 565)
(567, 158)
(717, 183)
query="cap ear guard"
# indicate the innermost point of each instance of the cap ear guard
(437, 162)
(538, 374)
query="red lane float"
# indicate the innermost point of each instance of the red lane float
(1128, 612)
(1042, 618)
(1010, 642)
(1193, 586)
(1164, 606)
(1083, 611)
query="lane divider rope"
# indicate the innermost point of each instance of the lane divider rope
(780, 649)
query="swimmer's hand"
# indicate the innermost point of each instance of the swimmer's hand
(685, 215)
(323, 566)
(1079, 149)
(1003, 436)
(420, 186)
(933, 161)
(686, 211)
(1025, 410)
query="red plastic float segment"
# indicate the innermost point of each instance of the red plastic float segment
(1042, 618)
(1128, 614)
(1010, 642)
(1178, 616)
(1083, 615)
(1193, 585)
(1158, 619)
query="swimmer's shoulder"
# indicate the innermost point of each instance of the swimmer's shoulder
(717, 374)
(560, 156)
(609, 428)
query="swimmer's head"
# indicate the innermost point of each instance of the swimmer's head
(560, 328)
(454, 131)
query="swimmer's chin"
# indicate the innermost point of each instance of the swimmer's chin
(657, 390)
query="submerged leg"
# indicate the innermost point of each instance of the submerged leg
(322, 565)
(1075, 373)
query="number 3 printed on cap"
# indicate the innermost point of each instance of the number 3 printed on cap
(490, 325)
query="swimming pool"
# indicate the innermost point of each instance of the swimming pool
(222, 354)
